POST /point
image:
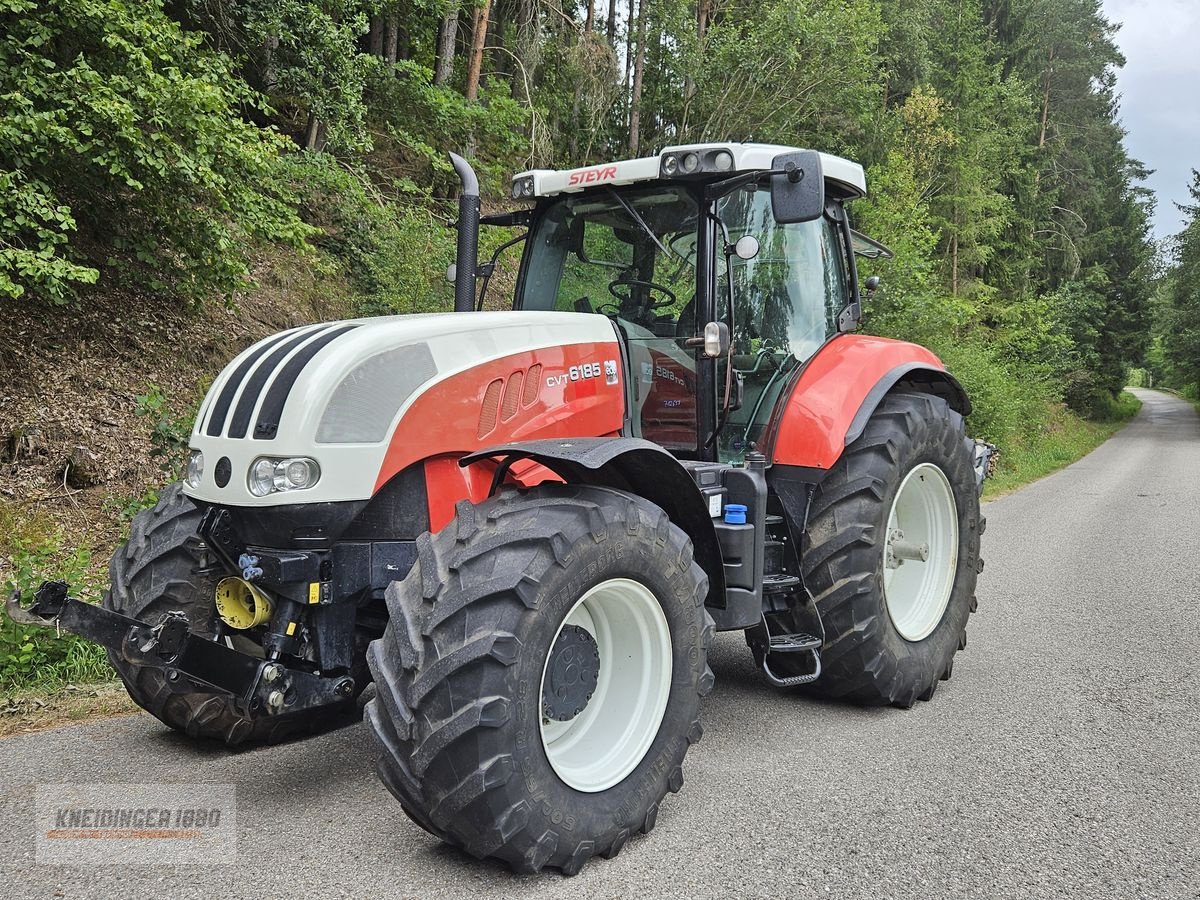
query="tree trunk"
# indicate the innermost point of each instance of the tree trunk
(612, 24)
(391, 36)
(689, 84)
(314, 134)
(375, 37)
(479, 32)
(447, 38)
(1046, 99)
(270, 45)
(589, 16)
(528, 21)
(628, 52)
(639, 64)
(954, 265)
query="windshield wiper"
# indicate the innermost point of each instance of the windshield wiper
(636, 216)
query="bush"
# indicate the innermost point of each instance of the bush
(123, 145)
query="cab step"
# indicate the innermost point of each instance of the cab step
(793, 643)
(780, 581)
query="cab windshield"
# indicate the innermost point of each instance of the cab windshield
(630, 254)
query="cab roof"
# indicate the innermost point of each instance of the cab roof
(683, 162)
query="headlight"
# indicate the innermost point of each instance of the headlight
(195, 469)
(723, 161)
(670, 165)
(691, 162)
(522, 188)
(269, 475)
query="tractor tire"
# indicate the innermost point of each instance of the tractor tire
(559, 587)
(891, 632)
(163, 568)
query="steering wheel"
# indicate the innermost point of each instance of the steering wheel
(649, 285)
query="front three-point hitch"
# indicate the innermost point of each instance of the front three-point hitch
(191, 662)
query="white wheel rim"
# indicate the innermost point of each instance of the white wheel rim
(923, 518)
(601, 745)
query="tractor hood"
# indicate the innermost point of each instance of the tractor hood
(338, 393)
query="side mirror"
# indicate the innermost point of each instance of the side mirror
(452, 273)
(746, 247)
(871, 284)
(798, 192)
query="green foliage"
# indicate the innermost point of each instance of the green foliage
(418, 121)
(125, 508)
(122, 145)
(169, 432)
(395, 255)
(1175, 355)
(302, 55)
(32, 655)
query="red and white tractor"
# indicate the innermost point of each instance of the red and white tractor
(524, 527)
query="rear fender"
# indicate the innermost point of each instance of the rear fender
(628, 464)
(838, 390)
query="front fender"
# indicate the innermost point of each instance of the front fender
(634, 465)
(838, 390)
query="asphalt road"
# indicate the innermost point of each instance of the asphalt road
(1063, 759)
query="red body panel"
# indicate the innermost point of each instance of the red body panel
(446, 482)
(809, 428)
(545, 393)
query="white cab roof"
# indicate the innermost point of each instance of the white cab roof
(846, 175)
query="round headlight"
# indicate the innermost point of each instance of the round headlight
(690, 162)
(723, 161)
(195, 469)
(671, 165)
(262, 477)
(516, 190)
(527, 188)
(295, 474)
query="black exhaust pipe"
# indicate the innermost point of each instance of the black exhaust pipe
(468, 236)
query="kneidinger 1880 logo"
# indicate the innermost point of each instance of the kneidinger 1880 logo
(135, 823)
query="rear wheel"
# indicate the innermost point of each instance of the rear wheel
(162, 568)
(891, 554)
(540, 677)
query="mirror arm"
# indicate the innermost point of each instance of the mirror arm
(489, 267)
(719, 189)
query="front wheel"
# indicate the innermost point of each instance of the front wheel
(540, 677)
(891, 553)
(165, 567)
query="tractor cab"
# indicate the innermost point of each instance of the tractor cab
(746, 240)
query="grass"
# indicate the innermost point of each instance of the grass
(33, 548)
(1064, 439)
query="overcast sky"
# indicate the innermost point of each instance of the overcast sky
(1160, 95)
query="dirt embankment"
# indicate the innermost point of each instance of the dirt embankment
(73, 450)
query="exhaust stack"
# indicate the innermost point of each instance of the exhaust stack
(468, 236)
